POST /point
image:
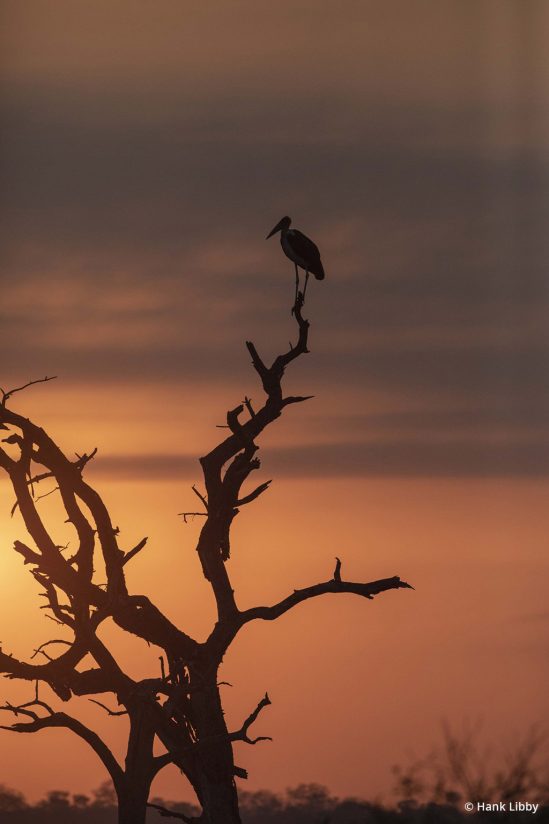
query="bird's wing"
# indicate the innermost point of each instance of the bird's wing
(305, 247)
(308, 251)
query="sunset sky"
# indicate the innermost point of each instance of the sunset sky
(147, 148)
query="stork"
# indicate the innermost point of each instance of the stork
(301, 251)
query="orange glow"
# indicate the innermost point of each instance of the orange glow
(395, 667)
(149, 148)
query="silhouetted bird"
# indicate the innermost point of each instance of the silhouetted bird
(301, 251)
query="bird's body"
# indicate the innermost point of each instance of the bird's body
(300, 250)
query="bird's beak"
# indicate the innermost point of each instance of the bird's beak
(276, 229)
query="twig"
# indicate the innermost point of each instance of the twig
(40, 649)
(199, 495)
(45, 494)
(35, 479)
(55, 621)
(23, 709)
(133, 552)
(249, 407)
(85, 458)
(108, 709)
(7, 395)
(186, 515)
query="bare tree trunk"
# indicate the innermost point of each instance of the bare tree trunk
(132, 804)
(220, 801)
(133, 791)
(215, 765)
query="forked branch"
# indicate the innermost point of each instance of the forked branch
(60, 719)
(229, 464)
(242, 733)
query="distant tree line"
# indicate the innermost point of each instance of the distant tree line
(429, 790)
(304, 804)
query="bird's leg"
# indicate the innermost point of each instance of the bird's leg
(305, 287)
(296, 287)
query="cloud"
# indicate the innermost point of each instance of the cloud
(418, 456)
(134, 228)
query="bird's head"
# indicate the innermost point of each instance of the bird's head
(281, 226)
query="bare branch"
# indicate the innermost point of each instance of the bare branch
(255, 494)
(161, 761)
(333, 586)
(55, 621)
(114, 713)
(232, 418)
(91, 682)
(41, 648)
(62, 612)
(133, 552)
(6, 395)
(15, 506)
(79, 464)
(249, 407)
(61, 719)
(138, 615)
(85, 459)
(237, 450)
(23, 709)
(296, 399)
(242, 733)
(200, 496)
(187, 515)
(28, 554)
(257, 362)
(45, 494)
(59, 673)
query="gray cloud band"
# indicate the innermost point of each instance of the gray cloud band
(138, 253)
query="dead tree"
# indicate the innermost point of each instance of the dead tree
(181, 708)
